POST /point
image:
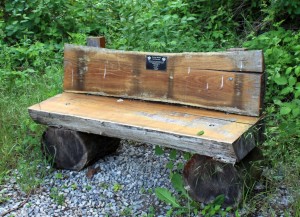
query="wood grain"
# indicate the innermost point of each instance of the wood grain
(226, 81)
(155, 123)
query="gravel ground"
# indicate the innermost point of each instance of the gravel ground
(123, 185)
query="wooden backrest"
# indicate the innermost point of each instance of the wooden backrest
(231, 81)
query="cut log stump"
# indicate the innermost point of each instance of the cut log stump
(206, 178)
(75, 150)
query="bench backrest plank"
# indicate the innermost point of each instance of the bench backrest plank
(230, 81)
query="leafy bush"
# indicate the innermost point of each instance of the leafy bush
(282, 56)
(27, 59)
(25, 68)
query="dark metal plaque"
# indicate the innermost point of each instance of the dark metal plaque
(157, 63)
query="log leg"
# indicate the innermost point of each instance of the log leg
(205, 178)
(75, 150)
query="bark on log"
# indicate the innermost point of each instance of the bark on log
(74, 150)
(205, 178)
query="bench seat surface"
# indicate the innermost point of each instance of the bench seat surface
(161, 124)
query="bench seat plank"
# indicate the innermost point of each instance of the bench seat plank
(160, 124)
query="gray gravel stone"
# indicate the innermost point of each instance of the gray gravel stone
(134, 167)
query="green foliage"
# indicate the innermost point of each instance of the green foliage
(215, 208)
(88, 187)
(184, 205)
(56, 196)
(282, 56)
(283, 8)
(178, 185)
(38, 19)
(151, 212)
(169, 26)
(25, 68)
(117, 187)
(158, 150)
(4, 199)
(59, 176)
(31, 63)
(165, 195)
(126, 212)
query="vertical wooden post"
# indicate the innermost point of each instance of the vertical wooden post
(98, 41)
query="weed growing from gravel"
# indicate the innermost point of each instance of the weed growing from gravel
(151, 212)
(88, 187)
(181, 202)
(4, 199)
(74, 186)
(59, 176)
(117, 187)
(126, 212)
(56, 196)
(104, 185)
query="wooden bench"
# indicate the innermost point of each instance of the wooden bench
(204, 103)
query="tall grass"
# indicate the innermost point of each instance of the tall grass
(19, 89)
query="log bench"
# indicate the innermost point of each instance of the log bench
(209, 104)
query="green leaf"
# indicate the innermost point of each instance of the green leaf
(277, 102)
(200, 133)
(173, 154)
(288, 70)
(229, 208)
(297, 93)
(297, 71)
(33, 127)
(212, 212)
(297, 48)
(177, 183)
(286, 90)
(280, 80)
(292, 81)
(219, 200)
(170, 165)
(187, 156)
(217, 207)
(296, 112)
(191, 18)
(158, 150)
(180, 166)
(285, 110)
(164, 195)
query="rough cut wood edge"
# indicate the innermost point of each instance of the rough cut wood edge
(236, 59)
(218, 150)
(249, 140)
(98, 41)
